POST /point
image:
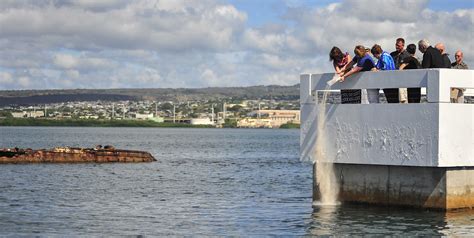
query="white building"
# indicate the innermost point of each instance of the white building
(143, 116)
(201, 121)
(30, 114)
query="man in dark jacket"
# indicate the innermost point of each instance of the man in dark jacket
(400, 53)
(431, 56)
(444, 55)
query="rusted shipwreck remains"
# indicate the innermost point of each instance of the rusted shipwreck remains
(108, 154)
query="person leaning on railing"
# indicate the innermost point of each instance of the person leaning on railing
(410, 62)
(384, 62)
(363, 62)
(457, 94)
(339, 60)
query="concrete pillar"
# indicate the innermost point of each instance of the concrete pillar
(423, 187)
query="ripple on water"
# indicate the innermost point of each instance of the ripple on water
(202, 185)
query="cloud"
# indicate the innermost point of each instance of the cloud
(67, 61)
(151, 25)
(209, 77)
(24, 81)
(5, 78)
(188, 43)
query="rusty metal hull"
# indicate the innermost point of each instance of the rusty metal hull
(76, 155)
(441, 188)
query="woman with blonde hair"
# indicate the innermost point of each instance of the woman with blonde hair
(363, 62)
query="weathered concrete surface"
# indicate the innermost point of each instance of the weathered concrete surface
(419, 154)
(433, 134)
(425, 187)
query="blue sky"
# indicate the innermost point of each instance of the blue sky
(270, 11)
(187, 43)
(450, 5)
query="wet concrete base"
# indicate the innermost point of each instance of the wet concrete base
(424, 187)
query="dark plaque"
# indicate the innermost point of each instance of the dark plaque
(350, 96)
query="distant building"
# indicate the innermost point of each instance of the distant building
(140, 116)
(255, 123)
(201, 121)
(30, 114)
(280, 117)
(18, 114)
(157, 119)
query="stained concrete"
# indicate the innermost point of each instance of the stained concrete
(425, 187)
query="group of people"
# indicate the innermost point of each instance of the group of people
(400, 59)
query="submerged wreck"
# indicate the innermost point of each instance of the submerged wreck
(106, 154)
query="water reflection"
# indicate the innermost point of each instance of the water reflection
(373, 220)
(323, 219)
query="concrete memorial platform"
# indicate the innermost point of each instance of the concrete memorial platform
(419, 154)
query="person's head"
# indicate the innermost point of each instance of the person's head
(376, 51)
(359, 51)
(335, 54)
(411, 49)
(423, 45)
(440, 47)
(400, 44)
(458, 56)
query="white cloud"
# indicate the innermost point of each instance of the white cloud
(188, 43)
(65, 61)
(5, 78)
(74, 74)
(209, 77)
(82, 62)
(24, 81)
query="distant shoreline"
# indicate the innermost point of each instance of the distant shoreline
(106, 123)
(92, 123)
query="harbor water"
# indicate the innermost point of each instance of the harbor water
(224, 182)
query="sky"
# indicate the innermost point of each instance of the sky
(65, 44)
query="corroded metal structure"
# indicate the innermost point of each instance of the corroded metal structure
(73, 155)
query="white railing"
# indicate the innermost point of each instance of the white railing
(436, 81)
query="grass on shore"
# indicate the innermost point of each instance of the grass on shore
(91, 123)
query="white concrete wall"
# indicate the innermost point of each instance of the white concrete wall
(434, 134)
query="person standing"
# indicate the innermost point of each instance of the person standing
(459, 63)
(411, 62)
(363, 62)
(457, 94)
(431, 56)
(385, 62)
(400, 53)
(444, 55)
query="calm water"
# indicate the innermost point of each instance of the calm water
(207, 182)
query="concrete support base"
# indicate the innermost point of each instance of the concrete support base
(425, 187)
